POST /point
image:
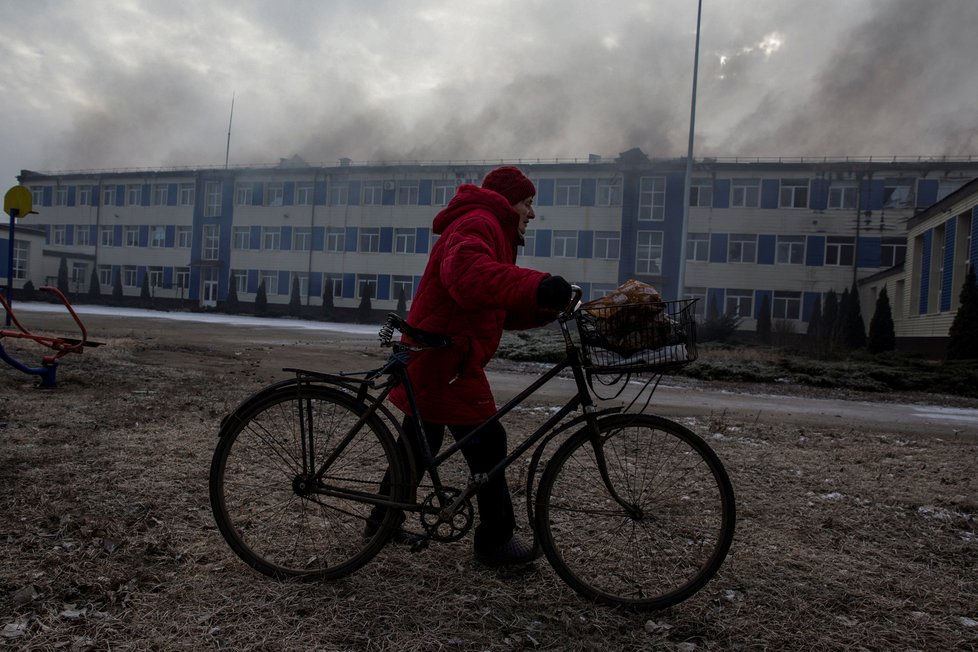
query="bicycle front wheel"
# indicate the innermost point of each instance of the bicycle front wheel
(651, 531)
(270, 505)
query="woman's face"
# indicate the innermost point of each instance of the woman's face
(525, 211)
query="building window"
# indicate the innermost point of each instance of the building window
(609, 192)
(268, 278)
(408, 193)
(840, 250)
(243, 194)
(302, 239)
(404, 241)
(274, 193)
(37, 195)
(186, 194)
(599, 290)
(212, 199)
(791, 250)
(898, 193)
(157, 236)
(893, 251)
(59, 234)
(607, 245)
(181, 278)
(303, 194)
(84, 195)
(442, 192)
(241, 237)
(61, 196)
(742, 248)
(339, 194)
(239, 279)
(108, 195)
(564, 244)
(652, 198)
(271, 238)
(366, 283)
(740, 303)
(648, 258)
(698, 296)
(155, 277)
(211, 240)
(335, 239)
(842, 197)
(401, 284)
(82, 235)
(130, 236)
(21, 252)
(794, 193)
(567, 192)
(529, 243)
(105, 275)
(369, 240)
(787, 305)
(130, 276)
(303, 282)
(745, 193)
(333, 285)
(185, 237)
(106, 236)
(134, 194)
(701, 193)
(160, 194)
(698, 247)
(373, 193)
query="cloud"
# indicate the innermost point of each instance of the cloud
(149, 83)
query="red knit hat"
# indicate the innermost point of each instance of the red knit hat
(511, 183)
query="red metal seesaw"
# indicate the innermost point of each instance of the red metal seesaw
(62, 346)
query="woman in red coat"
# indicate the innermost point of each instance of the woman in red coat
(472, 290)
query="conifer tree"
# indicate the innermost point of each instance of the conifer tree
(402, 304)
(962, 343)
(855, 328)
(63, 276)
(813, 334)
(117, 294)
(261, 299)
(365, 307)
(830, 316)
(764, 321)
(232, 304)
(144, 294)
(328, 299)
(882, 336)
(841, 322)
(295, 299)
(94, 287)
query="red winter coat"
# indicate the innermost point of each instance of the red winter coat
(471, 290)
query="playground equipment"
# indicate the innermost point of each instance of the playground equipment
(61, 346)
(17, 203)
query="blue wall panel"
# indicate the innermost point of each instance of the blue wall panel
(585, 244)
(715, 300)
(351, 239)
(759, 296)
(926, 192)
(424, 192)
(543, 243)
(718, 247)
(820, 194)
(815, 251)
(383, 286)
(257, 193)
(170, 237)
(285, 242)
(808, 301)
(766, 245)
(172, 191)
(545, 192)
(288, 193)
(588, 191)
(319, 195)
(252, 280)
(120, 195)
(318, 239)
(349, 285)
(386, 239)
(770, 190)
(353, 197)
(721, 193)
(255, 238)
(71, 195)
(421, 239)
(145, 195)
(869, 252)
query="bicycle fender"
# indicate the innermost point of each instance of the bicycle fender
(538, 453)
(264, 391)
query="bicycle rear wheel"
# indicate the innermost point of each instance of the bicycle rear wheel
(266, 499)
(670, 536)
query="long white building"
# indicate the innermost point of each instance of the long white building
(788, 230)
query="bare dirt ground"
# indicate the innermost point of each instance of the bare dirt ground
(848, 538)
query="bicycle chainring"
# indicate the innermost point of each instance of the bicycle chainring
(439, 523)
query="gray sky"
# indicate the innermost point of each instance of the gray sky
(145, 83)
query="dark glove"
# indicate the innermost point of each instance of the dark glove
(554, 292)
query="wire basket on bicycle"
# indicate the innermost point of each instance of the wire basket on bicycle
(651, 337)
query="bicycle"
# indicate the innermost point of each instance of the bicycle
(632, 509)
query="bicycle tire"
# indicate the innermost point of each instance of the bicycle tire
(267, 519)
(658, 556)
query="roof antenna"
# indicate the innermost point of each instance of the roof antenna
(227, 151)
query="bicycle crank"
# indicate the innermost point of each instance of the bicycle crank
(441, 520)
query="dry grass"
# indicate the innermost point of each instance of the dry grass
(844, 541)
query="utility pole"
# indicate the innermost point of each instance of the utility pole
(681, 279)
(227, 151)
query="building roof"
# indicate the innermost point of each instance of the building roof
(945, 204)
